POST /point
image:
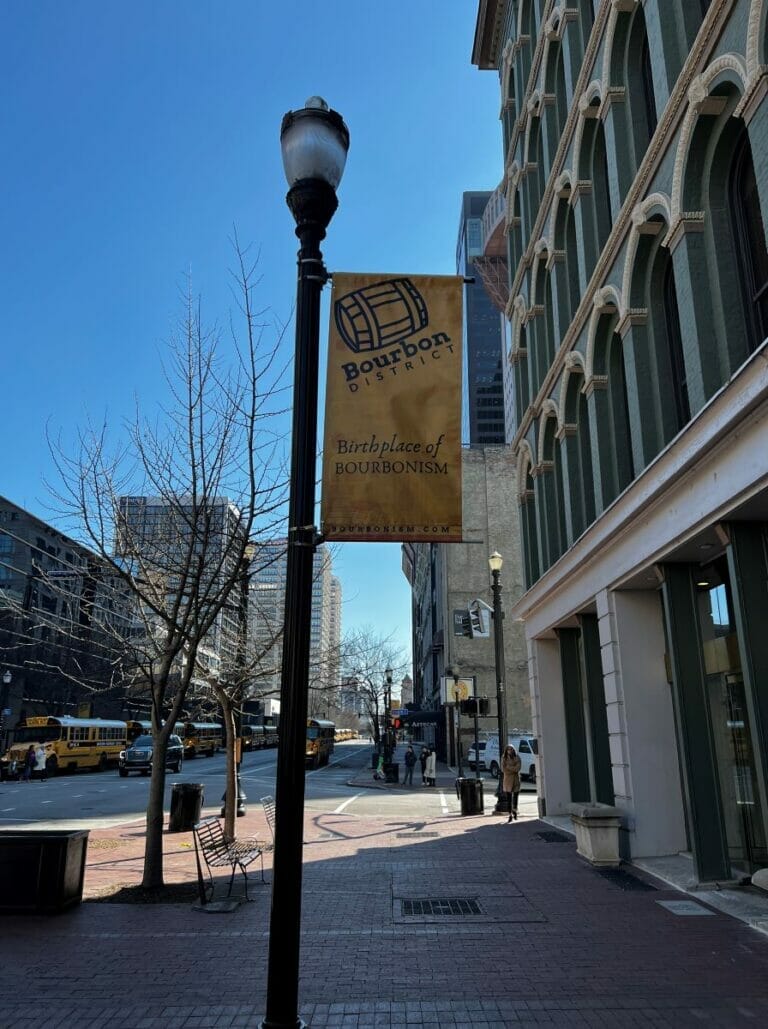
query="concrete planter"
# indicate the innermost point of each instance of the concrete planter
(41, 870)
(597, 833)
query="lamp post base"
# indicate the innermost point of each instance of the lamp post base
(502, 803)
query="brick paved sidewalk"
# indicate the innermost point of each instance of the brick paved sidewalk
(543, 939)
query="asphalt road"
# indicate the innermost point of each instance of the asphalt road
(101, 800)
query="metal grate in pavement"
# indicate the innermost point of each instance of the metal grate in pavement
(456, 907)
(410, 835)
(551, 836)
(624, 881)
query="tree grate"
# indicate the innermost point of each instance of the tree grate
(457, 907)
(550, 836)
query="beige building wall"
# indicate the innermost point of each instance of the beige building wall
(490, 523)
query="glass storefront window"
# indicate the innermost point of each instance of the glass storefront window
(730, 721)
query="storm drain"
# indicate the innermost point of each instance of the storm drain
(550, 836)
(440, 907)
(411, 835)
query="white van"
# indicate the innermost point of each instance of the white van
(526, 746)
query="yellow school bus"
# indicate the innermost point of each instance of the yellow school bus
(69, 743)
(320, 737)
(137, 728)
(202, 738)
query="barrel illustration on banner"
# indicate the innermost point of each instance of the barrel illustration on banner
(380, 315)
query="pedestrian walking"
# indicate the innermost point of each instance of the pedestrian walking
(40, 762)
(423, 762)
(410, 761)
(431, 768)
(29, 763)
(510, 770)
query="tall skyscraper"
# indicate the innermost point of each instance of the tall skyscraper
(483, 342)
(266, 603)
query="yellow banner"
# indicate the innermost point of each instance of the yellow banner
(392, 455)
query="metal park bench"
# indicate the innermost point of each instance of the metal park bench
(268, 803)
(219, 852)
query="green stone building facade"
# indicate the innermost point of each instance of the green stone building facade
(635, 185)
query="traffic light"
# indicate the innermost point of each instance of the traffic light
(396, 723)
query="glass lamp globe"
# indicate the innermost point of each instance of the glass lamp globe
(495, 561)
(314, 143)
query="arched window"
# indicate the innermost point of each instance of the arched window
(749, 242)
(565, 241)
(675, 344)
(646, 74)
(535, 175)
(585, 459)
(515, 236)
(622, 470)
(552, 496)
(520, 375)
(600, 187)
(528, 27)
(528, 524)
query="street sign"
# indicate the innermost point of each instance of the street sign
(452, 691)
(399, 712)
(461, 626)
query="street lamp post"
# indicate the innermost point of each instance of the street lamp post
(248, 552)
(314, 144)
(7, 679)
(454, 673)
(495, 561)
(387, 709)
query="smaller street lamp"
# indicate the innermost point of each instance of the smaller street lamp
(7, 678)
(495, 562)
(387, 707)
(453, 671)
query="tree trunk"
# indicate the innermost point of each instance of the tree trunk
(153, 852)
(230, 795)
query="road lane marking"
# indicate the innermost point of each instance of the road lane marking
(346, 803)
(9, 809)
(443, 803)
(46, 801)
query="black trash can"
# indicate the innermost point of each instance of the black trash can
(186, 805)
(470, 793)
(392, 772)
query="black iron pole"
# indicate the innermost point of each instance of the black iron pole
(242, 644)
(502, 800)
(312, 203)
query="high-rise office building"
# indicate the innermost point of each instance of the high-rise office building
(483, 341)
(266, 610)
(154, 534)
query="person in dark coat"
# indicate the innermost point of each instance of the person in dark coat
(30, 761)
(423, 762)
(510, 769)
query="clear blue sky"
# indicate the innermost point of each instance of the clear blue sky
(135, 134)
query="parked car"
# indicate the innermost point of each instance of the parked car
(138, 757)
(526, 746)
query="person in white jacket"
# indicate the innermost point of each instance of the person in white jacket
(40, 766)
(431, 769)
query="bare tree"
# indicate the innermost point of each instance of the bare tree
(170, 508)
(365, 656)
